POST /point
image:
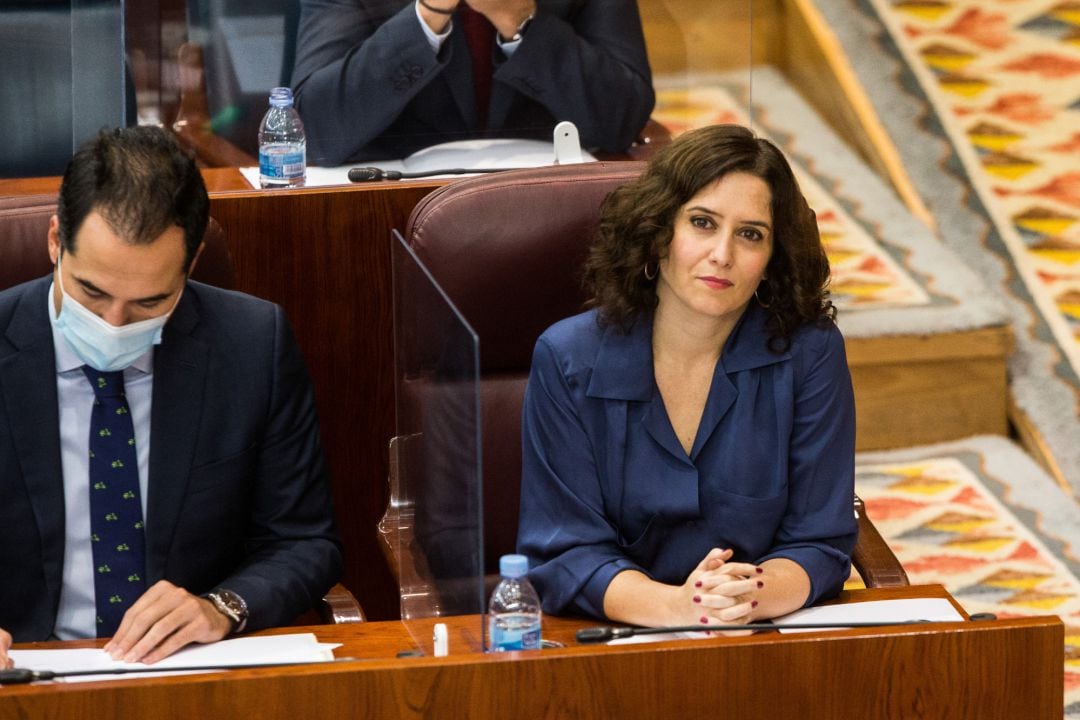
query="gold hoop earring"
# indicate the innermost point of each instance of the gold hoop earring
(655, 270)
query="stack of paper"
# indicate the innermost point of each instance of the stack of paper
(294, 648)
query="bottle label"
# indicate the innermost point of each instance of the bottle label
(514, 632)
(284, 163)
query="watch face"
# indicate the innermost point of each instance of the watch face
(230, 604)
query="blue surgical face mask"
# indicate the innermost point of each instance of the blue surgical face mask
(103, 346)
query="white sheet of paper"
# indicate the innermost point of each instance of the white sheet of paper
(929, 609)
(505, 153)
(658, 637)
(295, 647)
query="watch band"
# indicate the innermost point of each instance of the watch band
(231, 606)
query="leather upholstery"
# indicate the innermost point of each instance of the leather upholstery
(24, 224)
(507, 248)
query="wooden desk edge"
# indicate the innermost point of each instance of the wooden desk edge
(391, 637)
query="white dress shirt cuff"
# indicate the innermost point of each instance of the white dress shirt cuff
(435, 40)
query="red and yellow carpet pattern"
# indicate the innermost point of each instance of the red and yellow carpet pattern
(1004, 76)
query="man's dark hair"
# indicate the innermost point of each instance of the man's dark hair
(140, 182)
(637, 223)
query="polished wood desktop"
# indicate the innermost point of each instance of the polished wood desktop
(1005, 669)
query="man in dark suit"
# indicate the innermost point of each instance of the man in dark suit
(227, 523)
(383, 78)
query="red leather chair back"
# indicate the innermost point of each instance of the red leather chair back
(507, 249)
(24, 251)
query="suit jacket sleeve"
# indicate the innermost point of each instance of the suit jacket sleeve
(358, 64)
(293, 554)
(591, 69)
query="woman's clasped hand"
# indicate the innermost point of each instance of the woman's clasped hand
(723, 592)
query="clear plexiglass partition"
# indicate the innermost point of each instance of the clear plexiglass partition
(63, 78)
(432, 532)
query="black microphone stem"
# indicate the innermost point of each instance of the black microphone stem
(21, 676)
(604, 634)
(371, 174)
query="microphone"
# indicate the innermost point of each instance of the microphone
(22, 676)
(591, 635)
(367, 174)
(370, 174)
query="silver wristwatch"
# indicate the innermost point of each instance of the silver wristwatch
(231, 606)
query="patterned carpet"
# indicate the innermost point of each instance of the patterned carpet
(1005, 77)
(973, 516)
(982, 101)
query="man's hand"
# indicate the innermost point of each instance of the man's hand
(436, 13)
(6, 663)
(163, 620)
(505, 15)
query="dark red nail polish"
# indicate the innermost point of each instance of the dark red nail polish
(697, 584)
(704, 620)
(760, 584)
(759, 570)
(697, 598)
(753, 603)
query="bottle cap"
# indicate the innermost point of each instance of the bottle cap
(513, 566)
(281, 97)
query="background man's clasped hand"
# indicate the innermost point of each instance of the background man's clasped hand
(5, 645)
(506, 15)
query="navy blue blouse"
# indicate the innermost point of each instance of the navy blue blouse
(606, 486)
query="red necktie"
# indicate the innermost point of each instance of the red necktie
(480, 34)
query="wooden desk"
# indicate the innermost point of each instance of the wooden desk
(1004, 669)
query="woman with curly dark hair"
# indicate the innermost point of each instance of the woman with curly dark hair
(689, 441)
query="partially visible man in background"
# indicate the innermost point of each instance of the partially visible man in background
(381, 79)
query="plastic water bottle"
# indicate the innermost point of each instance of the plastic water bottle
(514, 610)
(282, 145)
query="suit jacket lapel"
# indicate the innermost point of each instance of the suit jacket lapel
(180, 364)
(28, 380)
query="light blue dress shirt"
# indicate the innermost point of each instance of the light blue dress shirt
(75, 617)
(606, 485)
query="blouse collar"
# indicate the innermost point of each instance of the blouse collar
(624, 364)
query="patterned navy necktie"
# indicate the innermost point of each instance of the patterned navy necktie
(116, 522)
